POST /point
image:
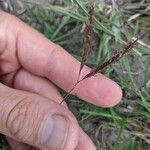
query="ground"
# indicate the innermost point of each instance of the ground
(126, 126)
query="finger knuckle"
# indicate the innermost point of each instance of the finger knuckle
(19, 122)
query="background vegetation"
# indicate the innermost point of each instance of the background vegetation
(126, 126)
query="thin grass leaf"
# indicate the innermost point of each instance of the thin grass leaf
(104, 114)
(69, 33)
(103, 50)
(63, 23)
(121, 130)
(80, 5)
(97, 24)
(61, 10)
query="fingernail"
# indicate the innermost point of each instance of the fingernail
(54, 132)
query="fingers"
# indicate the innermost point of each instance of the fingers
(44, 58)
(42, 87)
(23, 80)
(85, 142)
(29, 82)
(16, 145)
(61, 68)
(37, 121)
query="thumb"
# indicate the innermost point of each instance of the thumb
(37, 121)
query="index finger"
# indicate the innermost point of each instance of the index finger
(42, 57)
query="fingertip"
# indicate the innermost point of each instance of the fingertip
(85, 142)
(113, 95)
(100, 91)
(15, 145)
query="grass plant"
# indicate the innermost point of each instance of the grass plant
(126, 126)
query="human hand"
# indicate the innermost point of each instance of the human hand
(30, 65)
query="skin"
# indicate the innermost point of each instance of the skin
(31, 67)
